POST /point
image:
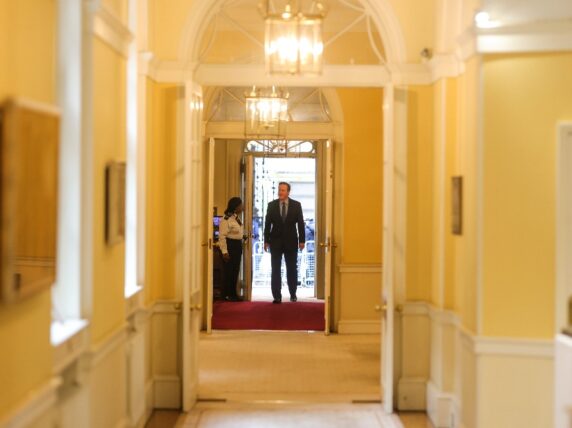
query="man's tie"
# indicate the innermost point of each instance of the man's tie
(283, 212)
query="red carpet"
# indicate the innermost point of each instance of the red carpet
(267, 316)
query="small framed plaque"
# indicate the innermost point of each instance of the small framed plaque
(114, 202)
(457, 205)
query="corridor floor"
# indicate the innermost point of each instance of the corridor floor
(288, 379)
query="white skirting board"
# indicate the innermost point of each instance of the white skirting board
(165, 351)
(440, 407)
(167, 392)
(411, 393)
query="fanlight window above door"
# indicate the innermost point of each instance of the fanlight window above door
(304, 105)
(281, 147)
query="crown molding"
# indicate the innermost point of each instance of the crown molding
(332, 76)
(111, 30)
(445, 65)
(146, 64)
(544, 36)
(410, 74)
(295, 130)
(439, 67)
(466, 44)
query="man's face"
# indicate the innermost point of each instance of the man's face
(283, 192)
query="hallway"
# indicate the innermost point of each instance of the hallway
(439, 135)
(285, 379)
(289, 366)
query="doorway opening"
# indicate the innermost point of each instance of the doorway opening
(307, 166)
(301, 174)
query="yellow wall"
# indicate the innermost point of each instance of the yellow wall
(24, 335)
(27, 44)
(161, 209)
(166, 26)
(119, 8)
(109, 145)
(525, 96)
(417, 21)
(419, 192)
(362, 175)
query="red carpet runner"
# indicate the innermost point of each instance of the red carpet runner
(267, 316)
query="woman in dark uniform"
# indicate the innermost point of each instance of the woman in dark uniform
(231, 234)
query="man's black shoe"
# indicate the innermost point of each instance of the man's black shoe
(277, 301)
(293, 299)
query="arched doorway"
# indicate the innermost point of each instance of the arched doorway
(200, 68)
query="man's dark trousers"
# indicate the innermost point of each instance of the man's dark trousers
(291, 258)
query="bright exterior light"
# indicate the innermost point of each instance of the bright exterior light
(293, 42)
(266, 114)
(483, 20)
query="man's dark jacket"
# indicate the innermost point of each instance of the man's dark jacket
(283, 234)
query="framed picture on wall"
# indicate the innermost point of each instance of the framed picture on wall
(114, 202)
(457, 205)
(29, 145)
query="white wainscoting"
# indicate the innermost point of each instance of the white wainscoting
(441, 383)
(105, 369)
(562, 383)
(36, 410)
(165, 355)
(415, 356)
(138, 369)
(360, 299)
(468, 381)
(115, 383)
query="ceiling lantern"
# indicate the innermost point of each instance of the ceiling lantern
(266, 114)
(293, 39)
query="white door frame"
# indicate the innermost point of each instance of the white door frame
(389, 210)
(563, 224)
(387, 327)
(388, 25)
(190, 194)
(208, 245)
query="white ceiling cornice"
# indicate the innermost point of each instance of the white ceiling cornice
(109, 28)
(441, 66)
(544, 36)
(255, 74)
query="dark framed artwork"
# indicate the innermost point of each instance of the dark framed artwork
(114, 202)
(457, 205)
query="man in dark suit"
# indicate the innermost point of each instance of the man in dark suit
(280, 235)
